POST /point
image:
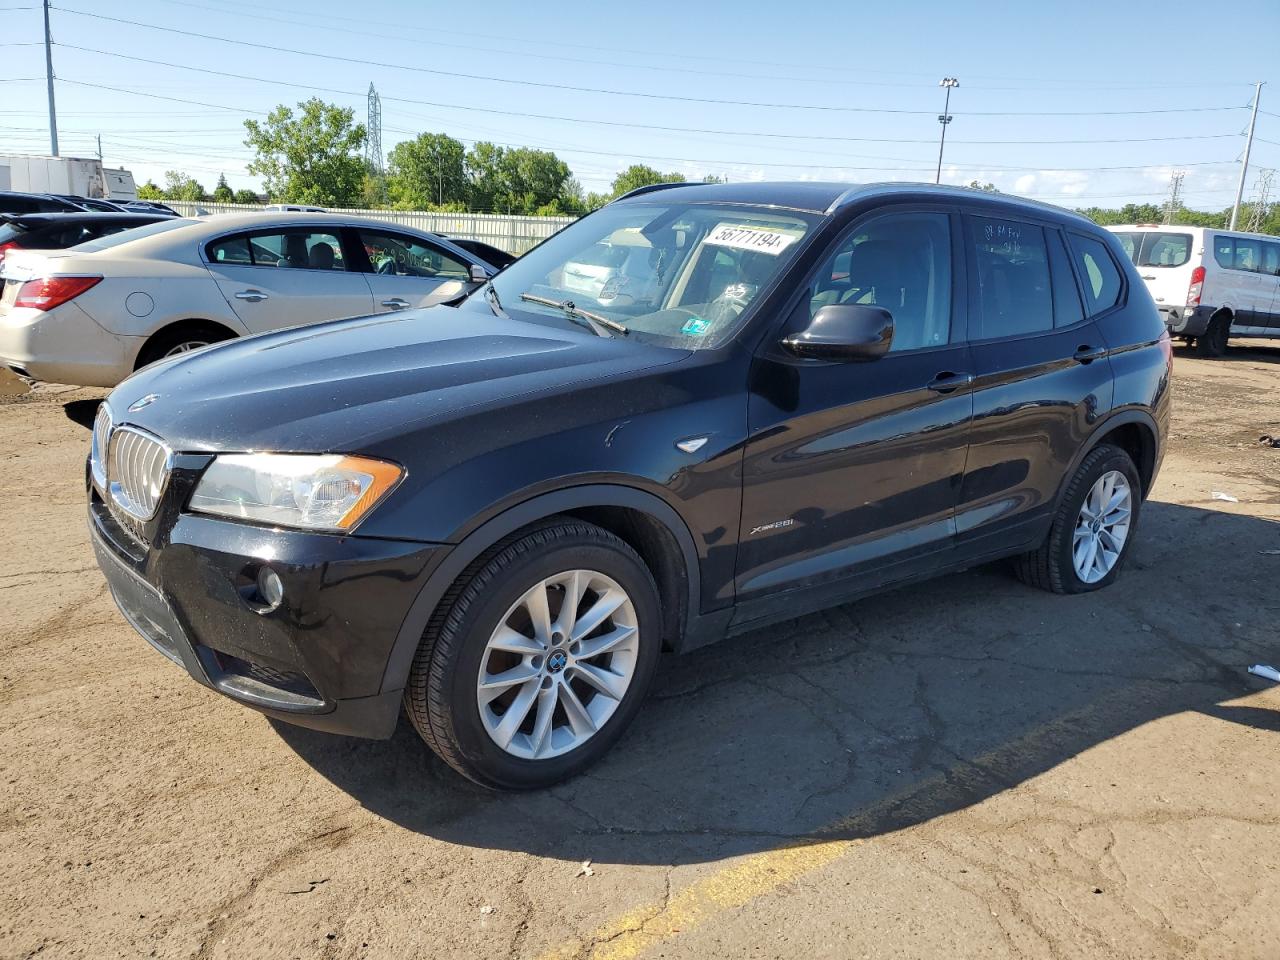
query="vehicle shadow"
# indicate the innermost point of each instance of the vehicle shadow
(1260, 351)
(82, 412)
(876, 715)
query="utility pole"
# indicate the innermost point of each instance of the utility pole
(1244, 167)
(48, 68)
(99, 148)
(944, 118)
(1175, 196)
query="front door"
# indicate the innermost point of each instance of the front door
(852, 470)
(287, 276)
(405, 271)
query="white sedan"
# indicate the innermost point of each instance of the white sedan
(93, 314)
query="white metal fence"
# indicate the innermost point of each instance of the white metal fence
(511, 233)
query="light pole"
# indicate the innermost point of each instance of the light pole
(944, 118)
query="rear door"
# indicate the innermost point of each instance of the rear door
(1271, 277)
(1165, 261)
(284, 277)
(1042, 376)
(404, 271)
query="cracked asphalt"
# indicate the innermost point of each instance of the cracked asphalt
(965, 768)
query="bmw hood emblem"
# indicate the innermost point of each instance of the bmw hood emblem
(141, 402)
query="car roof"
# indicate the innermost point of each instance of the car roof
(252, 220)
(828, 197)
(97, 216)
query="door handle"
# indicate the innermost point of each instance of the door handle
(1148, 276)
(253, 296)
(1087, 354)
(395, 303)
(947, 382)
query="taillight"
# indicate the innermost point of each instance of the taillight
(50, 292)
(6, 247)
(1196, 288)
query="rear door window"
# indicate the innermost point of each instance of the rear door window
(1271, 259)
(1165, 250)
(295, 249)
(1015, 294)
(1098, 273)
(1222, 252)
(1067, 308)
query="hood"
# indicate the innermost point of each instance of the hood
(347, 385)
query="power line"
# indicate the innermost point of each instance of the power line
(471, 108)
(626, 93)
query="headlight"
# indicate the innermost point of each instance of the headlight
(325, 492)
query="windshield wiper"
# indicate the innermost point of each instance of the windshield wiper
(491, 297)
(571, 310)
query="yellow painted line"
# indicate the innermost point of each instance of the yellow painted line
(631, 934)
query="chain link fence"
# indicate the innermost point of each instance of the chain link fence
(511, 233)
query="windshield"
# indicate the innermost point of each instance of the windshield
(133, 233)
(679, 274)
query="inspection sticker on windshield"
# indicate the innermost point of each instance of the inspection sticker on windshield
(750, 238)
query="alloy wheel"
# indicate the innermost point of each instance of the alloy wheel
(1102, 527)
(558, 664)
(186, 346)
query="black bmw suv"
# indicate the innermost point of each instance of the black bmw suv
(699, 410)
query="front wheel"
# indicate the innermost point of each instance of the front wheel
(1092, 529)
(539, 657)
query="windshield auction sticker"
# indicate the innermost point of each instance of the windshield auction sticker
(750, 238)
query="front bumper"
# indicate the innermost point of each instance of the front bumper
(318, 660)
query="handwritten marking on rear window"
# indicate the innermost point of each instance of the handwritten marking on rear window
(772, 242)
(1003, 237)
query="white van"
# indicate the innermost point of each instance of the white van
(1209, 284)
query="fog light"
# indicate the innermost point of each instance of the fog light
(270, 588)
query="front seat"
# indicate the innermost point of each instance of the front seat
(321, 256)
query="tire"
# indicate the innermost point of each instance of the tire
(1053, 566)
(1213, 342)
(172, 340)
(443, 698)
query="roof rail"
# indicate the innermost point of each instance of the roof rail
(652, 187)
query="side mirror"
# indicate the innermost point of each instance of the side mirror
(844, 331)
(479, 274)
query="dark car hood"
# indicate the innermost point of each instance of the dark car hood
(345, 385)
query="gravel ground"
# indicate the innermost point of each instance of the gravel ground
(966, 768)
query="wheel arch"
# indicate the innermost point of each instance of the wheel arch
(647, 523)
(173, 325)
(1133, 431)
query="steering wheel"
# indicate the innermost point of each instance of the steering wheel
(387, 266)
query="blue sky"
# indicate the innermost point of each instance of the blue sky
(843, 91)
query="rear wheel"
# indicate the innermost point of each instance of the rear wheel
(1092, 529)
(538, 658)
(181, 339)
(1213, 342)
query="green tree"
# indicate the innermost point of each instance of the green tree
(179, 186)
(638, 175)
(222, 193)
(484, 175)
(149, 191)
(245, 196)
(428, 171)
(314, 157)
(532, 179)
(984, 187)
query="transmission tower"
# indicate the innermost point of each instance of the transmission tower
(1174, 201)
(1262, 201)
(373, 145)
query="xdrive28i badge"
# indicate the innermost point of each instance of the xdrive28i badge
(141, 402)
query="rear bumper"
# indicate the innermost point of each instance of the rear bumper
(64, 345)
(318, 660)
(1186, 321)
